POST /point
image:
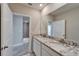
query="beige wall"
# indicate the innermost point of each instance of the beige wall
(44, 23)
(72, 23)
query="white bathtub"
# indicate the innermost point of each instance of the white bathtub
(18, 49)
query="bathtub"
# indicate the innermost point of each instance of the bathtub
(18, 49)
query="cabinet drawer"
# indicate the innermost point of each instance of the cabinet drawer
(51, 52)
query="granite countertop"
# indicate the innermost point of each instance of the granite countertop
(59, 47)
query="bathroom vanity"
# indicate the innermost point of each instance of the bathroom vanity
(43, 46)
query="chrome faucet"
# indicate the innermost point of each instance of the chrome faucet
(71, 43)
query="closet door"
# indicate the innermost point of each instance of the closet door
(6, 29)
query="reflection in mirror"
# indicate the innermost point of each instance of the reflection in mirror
(56, 29)
(49, 28)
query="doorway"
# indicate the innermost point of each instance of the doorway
(21, 34)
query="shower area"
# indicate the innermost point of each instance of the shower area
(21, 35)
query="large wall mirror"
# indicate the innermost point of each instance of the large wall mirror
(57, 29)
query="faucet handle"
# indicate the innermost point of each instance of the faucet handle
(73, 43)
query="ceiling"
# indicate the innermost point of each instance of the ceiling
(36, 5)
(65, 8)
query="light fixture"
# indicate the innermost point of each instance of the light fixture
(41, 5)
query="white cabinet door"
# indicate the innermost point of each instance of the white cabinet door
(44, 52)
(40, 49)
(48, 51)
(36, 47)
